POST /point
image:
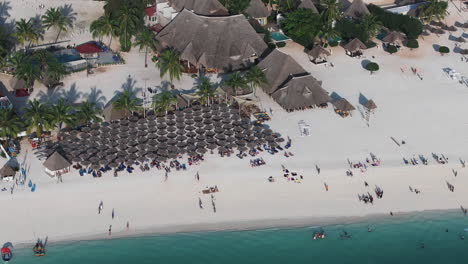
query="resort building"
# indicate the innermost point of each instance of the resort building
(212, 44)
(289, 84)
(356, 10)
(56, 165)
(168, 10)
(150, 16)
(259, 11)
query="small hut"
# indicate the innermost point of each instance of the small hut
(370, 105)
(56, 165)
(259, 11)
(7, 172)
(394, 38)
(308, 4)
(343, 107)
(318, 54)
(356, 10)
(354, 47)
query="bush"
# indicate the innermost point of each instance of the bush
(444, 50)
(391, 49)
(271, 46)
(333, 43)
(280, 44)
(370, 44)
(412, 44)
(411, 26)
(372, 67)
(349, 30)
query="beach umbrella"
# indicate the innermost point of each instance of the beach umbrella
(191, 148)
(85, 163)
(76, 159)
(270, 138)
(151, 148)
(124, 122)
(241, 142)
(151, 123)
(120, 159)
(150, 155)
(129, 162)
(104, 162)
(210, 133)
(217, 124)
(200, 131)
(218, 130)
(161, 132)
(242, 148)
(172, 135)
(124, 128)
(180, 120)
(226, 116)
(94, 159)
(221, 142)
(133, 119)
(231, 139)
(201, 150)
(227, 126)
(207, 115)
(460, 39)
(273, 144)
(162, 152)
(220, 136)
(208, 121)
(180, 126)
(229, 132)
(132, 156)
(239, 135)
(216, 118)
(260, 141)
(238, 129)
(197, 114)
(141, 159)
(208, 127)
(151, 117)
(190, 128)
(279, 139)
(152, 136)
(180, 132)
(212, 146)
(179, 113)
(162, 139)
(171, 122)
(191, 134)
(181, 138)
(236, 123)
(198, 119)
(162, 146)
(267, 131)
(251, 144)
(189, 116)
(152, 129)
(171, 129)
(206, 109)
(199, 125)
(200, 138)
(188, 110)
(172, 141)
(189, 122)
(132, 150)
(439, 31)
(85, 129)
(210, 140)
(161, 126)
(181, 144)
(132, 143)
(191, 141)
(95, 166)
(114, 132)
(250, 138)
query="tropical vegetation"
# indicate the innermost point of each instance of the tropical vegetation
(236, 82)
(443, 50)
(434, 9)
(104, 26)
(54, 18)
(255, 77)
(10, 124)
(126, 101)
(38, 117)
(88, 112)
(27, 32)
(235, 7)
(145, 39)
(169, 63)
(162, 101)
(205, 90)
(372, 67)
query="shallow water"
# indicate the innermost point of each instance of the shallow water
(393, 241)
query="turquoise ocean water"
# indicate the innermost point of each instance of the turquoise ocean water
(394, 240)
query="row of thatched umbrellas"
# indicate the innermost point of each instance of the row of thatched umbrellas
(440, 28)
(193, 131)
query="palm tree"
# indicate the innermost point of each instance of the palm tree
(54, 18)
(331, 11)
(54, 72)
(162, 101)
(169, 62)
(144, 40)
(371, 25)
(26, 32)
(205, 90)
(62, 113)
(126, 100)
(129, 21)
(87, 112)
(104, 26)
(28, 71)
(37, 116)
(325, 33)
(236, 82)
(10, 124)
(255, 77)
(434, 9)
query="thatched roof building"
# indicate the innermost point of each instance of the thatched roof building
(219, 43)
(7, 171)
(394, 38)
(289, 84)
(56, 164)
(308, 4)
(343, 105)
(301, 92)
(356, 10)
(110, 113)
(201, 7)
(354, 45)
(278, 67)
(257, 9)
(318, 53)
(370, 105)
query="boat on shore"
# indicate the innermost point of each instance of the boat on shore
(7, 255)
(39, 249)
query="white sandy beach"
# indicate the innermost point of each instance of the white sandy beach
(429, 114)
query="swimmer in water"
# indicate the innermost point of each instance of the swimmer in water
(369, 229)
(462, 237)
(422, 245)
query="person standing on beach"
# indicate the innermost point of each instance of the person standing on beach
(128, 225)
(200, 203)
(110, 230)
(112, 213)
(318, 169)
(166, 177)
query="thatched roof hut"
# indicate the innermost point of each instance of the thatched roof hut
(219, 43)
(394, 38)
(110, 113)
(308, 4)
(460, 39)
(319, 53)
(355, 45)
(257, 9)
(343, 105)
(56, 164)
(356, 10)
(370, 105)
(278, 67)
(301, 92)
(7, 171)
(201, 7)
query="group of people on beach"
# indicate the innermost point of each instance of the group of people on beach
(292, 176)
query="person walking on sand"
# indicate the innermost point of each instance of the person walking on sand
(112, 213)
(128, 225)
(318, 169)
(110, 230)
(197, 176)
(166, 177)
(200, 203)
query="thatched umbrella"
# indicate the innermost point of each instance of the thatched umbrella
(180, 125)
(212, 146)
(191, 141)
(201, 150)
(172, 135)
(132, 150)
(200, 131)
(129, 162)
(181, 138)
(120, 160)
(207, 121)
(199, 125)
(151, 148)
(124, 122)
(172, 141)
(162, 145)
(113, 165)
(216, 118)
(95, 166)
(209, 127)
(191, 134)
(189, 121)
(238, 129)
(181, 144)
(161, 132)
(180, 132)
(222, 142)
(171, 122)
(150, 155)
(228, 126)
(241, 142)
(210, 140)
(151, 117)
(190, 128)
(226, 115)
(210, 133)
(162, 139)
(460, 39)
(132, 143)
(229, 132)
(236, 123)
(76, 159)
(180, 120)
(161, 126)
(218, 130)
(85, 163)
(171, 129)
(152, 123)
(239, 135)
(191, 147)
(200, 138)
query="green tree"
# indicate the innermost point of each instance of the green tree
(287, 6)
(236, 82)
(62, 113)
(104, 26)
(169, 63)
(52, 70)
(129, 21)
(302, 26)
(38, 117)
(88, 112)
(255, 77)
(331, 11)
(127, 101)
(326, 33)
(370, 25)
(205, 90)
(235, 6)
(145, 39)
(434, 9)
(162, 101)
(372, 67)
(10, 124)
(29, 71)
(26, 32)
(54, 17)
